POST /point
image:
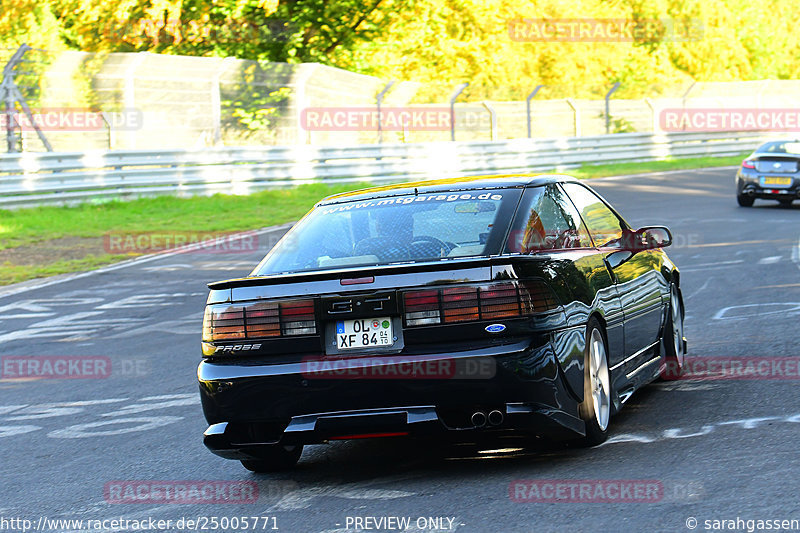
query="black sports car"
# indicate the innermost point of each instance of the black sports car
(481, 306)
(770, 173)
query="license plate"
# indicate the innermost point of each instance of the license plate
(776, 180)
(364, 333)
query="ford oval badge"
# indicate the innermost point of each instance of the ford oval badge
(495, 328)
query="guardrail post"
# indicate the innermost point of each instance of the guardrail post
(528, 107)
(493, 118)
(378, 100)
(608, 114)
(453, 97)
(576, 115)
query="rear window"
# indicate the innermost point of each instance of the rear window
(780, 147)
(424, 227)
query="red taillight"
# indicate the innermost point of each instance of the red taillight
(422, 307)
(500, 301)
(460, 304)
(469, 303)
(259, 320)
(227, 323)
(263, 320)
(536, 296)
(748, 164)
(297, 318)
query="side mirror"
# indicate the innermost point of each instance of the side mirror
(649, 238)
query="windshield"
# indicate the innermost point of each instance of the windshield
(399, 229)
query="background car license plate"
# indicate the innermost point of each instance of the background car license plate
(776, 180)
(364, 333)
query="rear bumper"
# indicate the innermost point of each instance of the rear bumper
(749, 184)
(250, 406)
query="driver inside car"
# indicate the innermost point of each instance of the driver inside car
(393, 234)
(394, 238)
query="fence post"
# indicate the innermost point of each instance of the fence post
(216, 100)
(302, 75)
(10, 96)
(653, 117)
(378, 100)
(683, 102)
(608, 114)
(110, 131)
(528, 107)
(453, 97)
(493, 118)
(576, 115)
(129, 93)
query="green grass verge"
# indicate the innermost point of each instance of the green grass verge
(218, 213)
(35, 227)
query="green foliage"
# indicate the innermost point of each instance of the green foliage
(621, 125)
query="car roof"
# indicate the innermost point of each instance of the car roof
(465, 183)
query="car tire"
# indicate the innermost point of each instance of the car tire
(275, 459)
(745, 201)
(674, 347)
(595, 410)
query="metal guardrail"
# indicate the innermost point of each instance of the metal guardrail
(69, 177)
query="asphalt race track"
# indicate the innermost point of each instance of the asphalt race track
(716, 449)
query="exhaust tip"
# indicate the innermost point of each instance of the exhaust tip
(495, 417)
(478, 419)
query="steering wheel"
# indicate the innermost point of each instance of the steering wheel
(444, 248)
(384, 249)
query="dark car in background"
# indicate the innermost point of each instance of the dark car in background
(466, 308)
(770, 173)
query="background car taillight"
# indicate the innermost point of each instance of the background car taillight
(748, 164)
(259, 320)
(469, 303)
